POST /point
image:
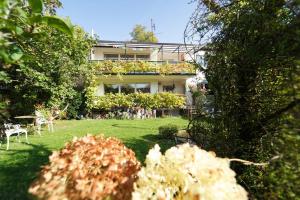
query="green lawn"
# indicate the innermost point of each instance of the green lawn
(20, 165)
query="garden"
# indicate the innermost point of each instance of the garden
(241, 141)
(20, 165)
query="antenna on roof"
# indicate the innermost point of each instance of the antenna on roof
(153, 28)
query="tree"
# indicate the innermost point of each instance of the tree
(140, 34)
(43, 58)
(253, 72)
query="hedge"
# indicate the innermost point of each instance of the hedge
(145, 100)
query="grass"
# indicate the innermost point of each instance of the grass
(21, 164)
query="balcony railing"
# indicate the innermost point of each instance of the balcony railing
(145, 67)
(139, 60)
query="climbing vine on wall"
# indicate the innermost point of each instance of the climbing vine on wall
(124, 67)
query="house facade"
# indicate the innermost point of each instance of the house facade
(145, 67)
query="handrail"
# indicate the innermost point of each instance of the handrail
(150, 61)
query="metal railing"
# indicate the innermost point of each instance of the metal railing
(140, 60)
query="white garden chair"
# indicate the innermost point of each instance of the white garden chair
(11, 129)
(40, 120)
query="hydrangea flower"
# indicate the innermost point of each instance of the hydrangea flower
(186, 172)
(88, 168)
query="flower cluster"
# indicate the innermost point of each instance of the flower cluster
(186, 172)
(92, 167)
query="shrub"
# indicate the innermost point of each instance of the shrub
(186, 172)
(88, 168)
(149, 101)
(167, 131)
(169, 100)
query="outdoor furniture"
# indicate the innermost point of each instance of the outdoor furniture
(40, 120)
(27, 117)
(11, 129)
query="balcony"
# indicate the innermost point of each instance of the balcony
(143, 67)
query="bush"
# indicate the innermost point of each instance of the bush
(168, 131)
(186, 172)
(88, 168)
(145, 100)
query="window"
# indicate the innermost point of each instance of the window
(111, 88)
(127, 57)
(128, 88)
(142, 57)
(168, 88)
(200, 59)
(111, 57)
(142, 87)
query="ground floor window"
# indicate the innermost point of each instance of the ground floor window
(111, 88)
(142, 87)
(168, 88)
(127, 88)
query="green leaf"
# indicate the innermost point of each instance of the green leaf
(4, 77)
(59, 24)
(21, 12)
(19, 30)
(4, 55)
(16, 54)
(36, 5)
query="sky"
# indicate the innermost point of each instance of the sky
(115, 19)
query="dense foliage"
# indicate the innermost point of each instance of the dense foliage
(167, 131)
(140, 34)
(124, 67)
(186, 172)
(253, 71)
(43, 59)
(88, 168)
(109, 101)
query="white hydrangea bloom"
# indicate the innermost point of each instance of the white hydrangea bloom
(187, 172)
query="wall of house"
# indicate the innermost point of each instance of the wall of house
(154, 87)
(156, 82)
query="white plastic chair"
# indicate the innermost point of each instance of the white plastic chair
(11, 129)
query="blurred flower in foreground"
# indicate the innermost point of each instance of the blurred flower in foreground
(91, 167)
(187, 172)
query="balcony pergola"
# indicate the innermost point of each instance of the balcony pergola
(161, 47)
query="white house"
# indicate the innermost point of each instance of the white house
(169, 67)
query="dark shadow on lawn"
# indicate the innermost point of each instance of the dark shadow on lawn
(16, 176)
(143, 145)
(127, 126)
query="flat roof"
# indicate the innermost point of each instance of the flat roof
(152, 73)
(165, 47)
